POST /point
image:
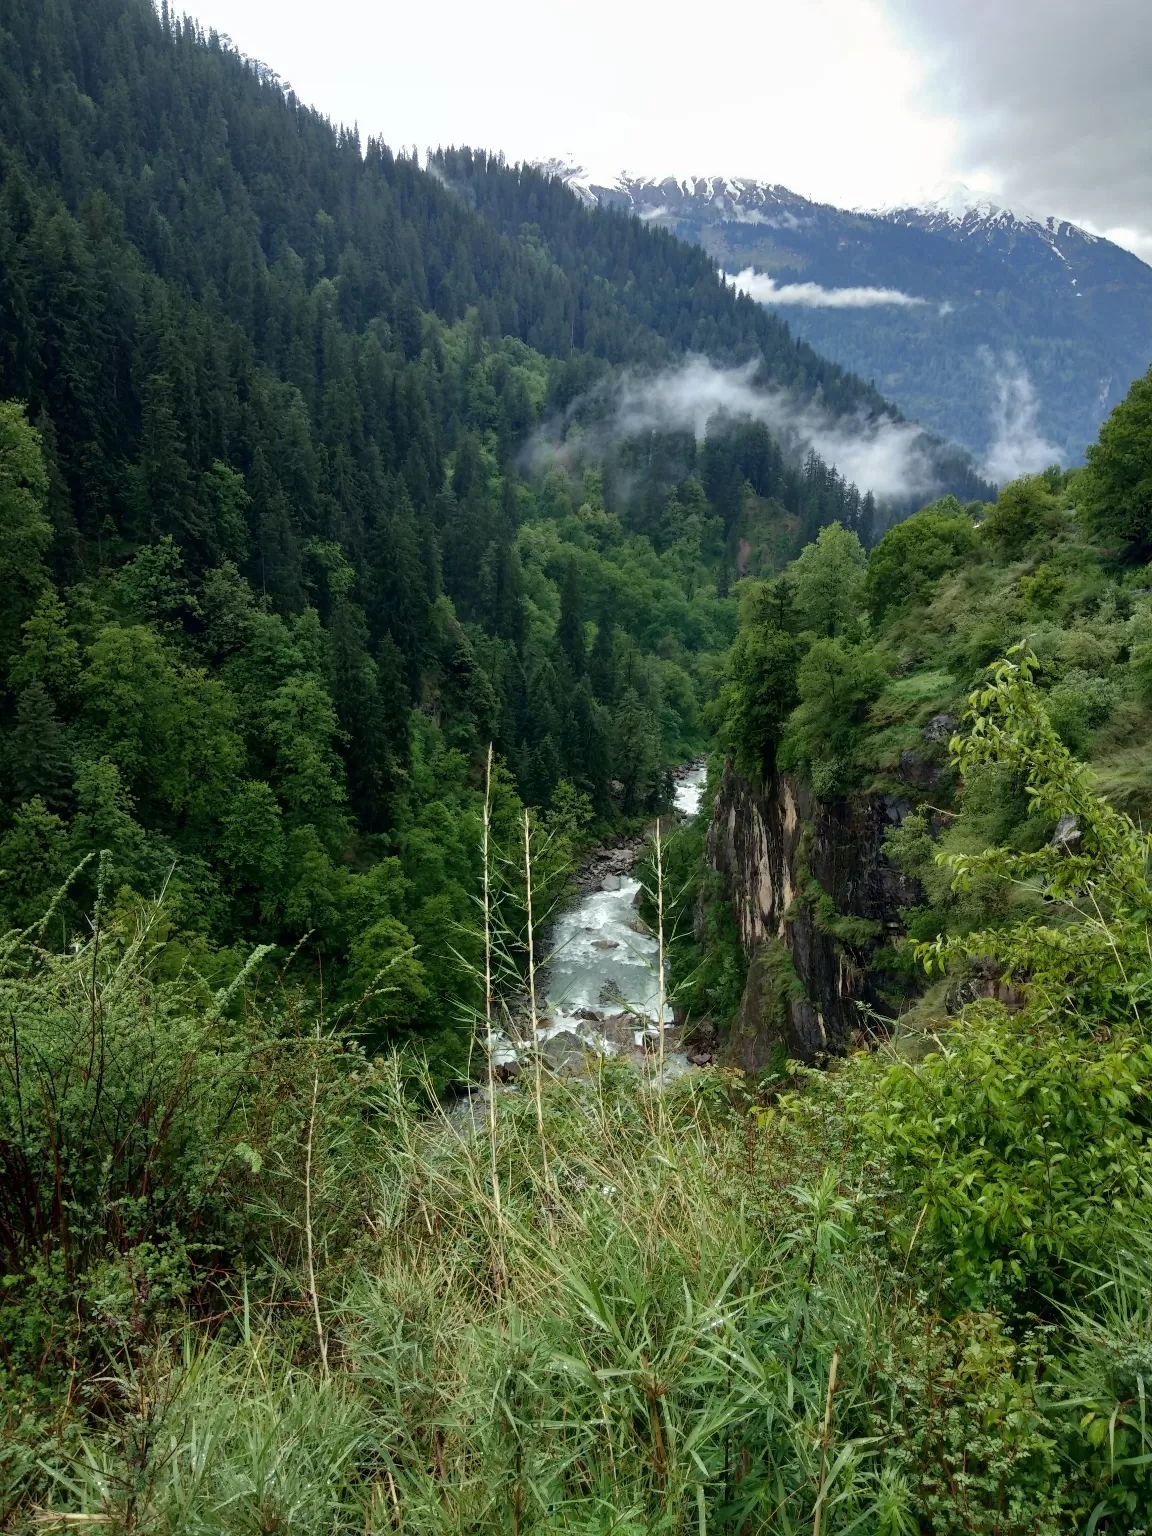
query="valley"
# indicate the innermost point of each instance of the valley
(574, 897)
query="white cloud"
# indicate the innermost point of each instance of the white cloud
(891, 459)
(1017, 446)
(759, 286)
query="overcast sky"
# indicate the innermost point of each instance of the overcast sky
(1046, 103)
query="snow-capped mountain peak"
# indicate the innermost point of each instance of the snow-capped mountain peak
(735, 198)
(955, 209)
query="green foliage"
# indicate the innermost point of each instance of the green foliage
(1115, 490)
(830, 576)
(168, 727)
(1090, 944)
(656, 1318)
(1022, 1149)
(915, 553)
(836, 683)
(119, 1142)
(1024, 510)
(25, 532)
(758, 696)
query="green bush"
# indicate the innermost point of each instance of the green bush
(1020, 1150)
(1023, 511)
(1115, 490)
(913, 554)
(758, 696)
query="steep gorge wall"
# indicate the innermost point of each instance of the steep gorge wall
(817, 905)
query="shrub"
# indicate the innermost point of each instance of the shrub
(914, 553)
(836, 682)
(1025, 1143)
(1024, 509)
(829, 576)
(1019, 1149)
(758, 696)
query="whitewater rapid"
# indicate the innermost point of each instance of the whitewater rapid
(603, 984)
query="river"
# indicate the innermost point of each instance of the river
(602, 992)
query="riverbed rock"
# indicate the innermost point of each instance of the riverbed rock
(619, 1029)
(605, 944)
(610, 883)
(565, 1052)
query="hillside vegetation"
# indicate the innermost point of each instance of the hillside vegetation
(853, 668)
(251, 1285)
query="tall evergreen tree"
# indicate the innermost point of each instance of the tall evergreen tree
(570, 630)
(37, 749)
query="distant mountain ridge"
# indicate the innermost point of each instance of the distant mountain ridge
(1012, 333)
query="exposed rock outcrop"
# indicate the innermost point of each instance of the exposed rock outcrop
(816, 902)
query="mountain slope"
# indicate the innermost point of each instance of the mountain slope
(279, 558)
(1022, 332)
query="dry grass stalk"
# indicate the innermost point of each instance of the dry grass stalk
(818, 1513)
(490, 1035)
(308, 1241)
(534, 1016)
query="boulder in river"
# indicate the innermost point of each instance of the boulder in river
(565, 1052)
(610, 883)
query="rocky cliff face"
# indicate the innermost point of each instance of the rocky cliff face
(817, 904)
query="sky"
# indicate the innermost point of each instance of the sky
(1045, 104)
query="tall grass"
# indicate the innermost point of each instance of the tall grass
(649, 1346)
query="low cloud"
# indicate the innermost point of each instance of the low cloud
(765, 290)
(1017, 445)
(892, 459)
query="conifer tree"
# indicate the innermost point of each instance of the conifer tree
(570, 630)
(37, 749)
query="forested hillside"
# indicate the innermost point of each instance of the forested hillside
(998, 327)
(852, 670)
(285, 552)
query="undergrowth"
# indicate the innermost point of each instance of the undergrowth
(255, 1281)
